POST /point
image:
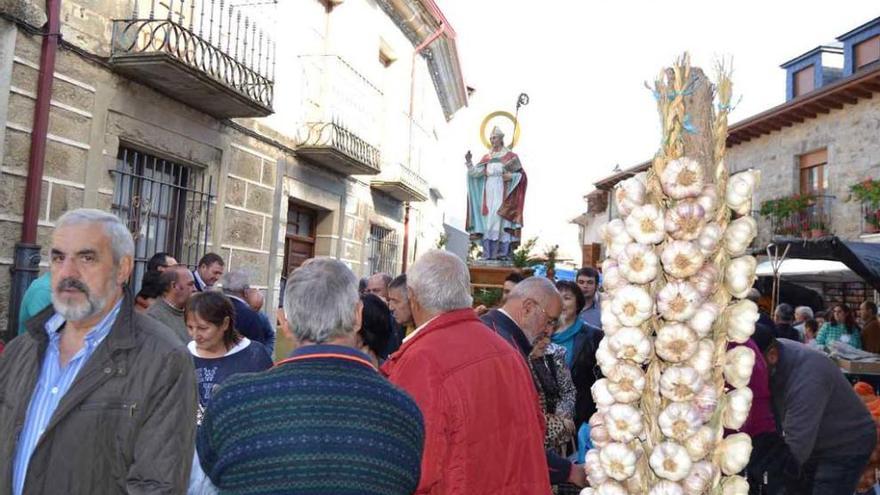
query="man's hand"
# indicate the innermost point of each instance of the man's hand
(578, 475)
(481, 310)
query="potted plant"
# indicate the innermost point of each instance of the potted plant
(786, 213)
(818, 229)
(867, 192)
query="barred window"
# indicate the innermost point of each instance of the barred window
(166, 206)
(383, 250)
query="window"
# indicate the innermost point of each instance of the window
(166, 206)
(814, 172)
(866, 52)
(299, 243)
(804, 81)
(383, 250)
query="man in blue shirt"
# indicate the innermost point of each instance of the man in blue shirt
(588, 281)
(95, 397)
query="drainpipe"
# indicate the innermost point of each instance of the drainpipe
(26, 263)
(412, 91)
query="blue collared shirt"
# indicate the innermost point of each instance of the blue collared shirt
(53, 384)
(593, 315)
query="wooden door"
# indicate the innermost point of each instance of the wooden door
(299, 242)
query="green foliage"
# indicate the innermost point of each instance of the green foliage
(786, 206)
(522, 257)
(867, 191)
(487, 297)
(551, 254)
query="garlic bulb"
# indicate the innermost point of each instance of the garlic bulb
(670, 461)
(626, 382)
(645, 224)
(734, 485)
(675, 343)
(610, 323)
(699, 478)
(638, 263)
(710, 239)
(700, 443)
(741, 318)
(600, 436)
(703, 319)
(636, 483)
(740, 188)
(706, 401)
(618, 461)
(706, 280)
(614, 236)
(612, 279)
(740, 275)
(680, 383)
(587, 491)
(632, 305)
(678, 301)
(709, 199)
(679, 421)
(610, 488)
(629, 194)
(666, 487)
(601, 395)
(630, 344)
(739, 403)
(738, 365)
(703, 360)
(682, 178)
(606, 359)
(593, 468)
(739, 235)
(681, 259)
(685, 221)
(733, 453)
(624, 422)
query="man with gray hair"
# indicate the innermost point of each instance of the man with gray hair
(783, 317)
(802, 314)
(529, 313)
(250, 323)
(483, 424)
(325, 420)
(97, 398)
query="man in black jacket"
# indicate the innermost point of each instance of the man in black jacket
(784, 318)
(252, 324)
(530, 312)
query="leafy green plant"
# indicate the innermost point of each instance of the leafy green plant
(551, 254)
(522, 256)
(782, 208)
(867, 191)
(487, 297)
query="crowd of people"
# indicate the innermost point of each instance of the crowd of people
(395, 385)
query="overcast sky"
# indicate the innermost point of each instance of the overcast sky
(584, 65)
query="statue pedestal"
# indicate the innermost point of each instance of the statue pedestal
(491, 274)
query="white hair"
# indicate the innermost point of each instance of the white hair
(805, 311)
(538, 288)
(320, 300)
(440, 281)
(121, 242)
(235, 281)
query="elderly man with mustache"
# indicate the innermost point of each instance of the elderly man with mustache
(94, 397)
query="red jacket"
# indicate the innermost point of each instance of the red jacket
(484, 431)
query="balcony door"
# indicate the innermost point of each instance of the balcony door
(814, 172)
(299, 241)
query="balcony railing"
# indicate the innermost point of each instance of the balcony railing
(332, 145)
(401, 183)
(339, 124)
(814, 221)
(210, 55)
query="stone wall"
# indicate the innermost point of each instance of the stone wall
(851, 138)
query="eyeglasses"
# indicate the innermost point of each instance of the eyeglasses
(550, 322)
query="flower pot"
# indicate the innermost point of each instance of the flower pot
(871, 228)
(817, 233)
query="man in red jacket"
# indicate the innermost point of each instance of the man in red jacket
(484, 431)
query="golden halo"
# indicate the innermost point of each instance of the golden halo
(500, 113)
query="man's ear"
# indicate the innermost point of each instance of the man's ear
(125, 266)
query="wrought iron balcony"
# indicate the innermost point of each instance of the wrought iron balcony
(401, 183)
(335, 147)
(339, 129)
(811, 221)
(209, 55)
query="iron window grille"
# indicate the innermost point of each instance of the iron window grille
(383, 250)
(166, 206)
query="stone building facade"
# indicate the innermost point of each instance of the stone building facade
(192, 174)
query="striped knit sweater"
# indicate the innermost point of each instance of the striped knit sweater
(321, 422)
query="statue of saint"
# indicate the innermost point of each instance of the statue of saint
(496, 196)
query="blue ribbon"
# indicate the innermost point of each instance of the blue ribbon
(687, 125)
